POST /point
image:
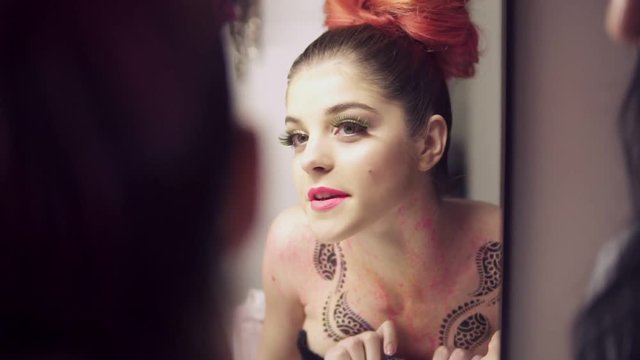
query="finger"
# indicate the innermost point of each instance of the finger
(494, 347)
(441, 353)
(389, 338)
(494, 343)
(337, 353)
(355, 347)
(372, 345)
(477, 357)
(459, 354)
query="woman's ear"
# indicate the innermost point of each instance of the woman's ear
(431, 142)
(241, 193)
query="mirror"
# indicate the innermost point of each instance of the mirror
(278, 32)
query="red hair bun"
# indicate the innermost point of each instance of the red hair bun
(443, 26)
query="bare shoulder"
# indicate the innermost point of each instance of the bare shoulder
(480, 218)
(283, 274)
(288, 250)
(288, 232)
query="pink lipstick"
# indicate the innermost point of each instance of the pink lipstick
(324, 198)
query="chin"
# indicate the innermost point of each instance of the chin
(326, 236)
(334, 225)
(328, 233)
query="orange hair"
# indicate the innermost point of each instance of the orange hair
(442, 26)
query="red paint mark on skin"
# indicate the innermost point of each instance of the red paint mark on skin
(383, 299)
(442, 286)
(424, 223)
(402, 215)
(433, 343)
(391, 312)
(296, 255)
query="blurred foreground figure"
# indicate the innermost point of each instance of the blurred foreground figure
(115, 148)
(609, 326)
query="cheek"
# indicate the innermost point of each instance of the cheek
(299, 179)
(390, 169)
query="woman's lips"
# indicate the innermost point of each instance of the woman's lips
(325, 198)
(328, 204)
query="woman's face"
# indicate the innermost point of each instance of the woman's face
(354, 159)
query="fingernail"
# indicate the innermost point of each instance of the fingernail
(389, 351)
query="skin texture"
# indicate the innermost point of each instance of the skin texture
(392, 253)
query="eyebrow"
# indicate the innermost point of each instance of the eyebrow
(290, 119)
(336, 109)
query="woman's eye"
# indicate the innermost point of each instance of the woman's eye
(293, 139)
(299, 139)
(349, 128)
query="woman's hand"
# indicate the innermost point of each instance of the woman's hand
(442, 353)
(369, 345)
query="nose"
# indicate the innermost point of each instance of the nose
(317, 157)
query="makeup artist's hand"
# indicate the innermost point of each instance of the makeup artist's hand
(369, 345)
(442, 353)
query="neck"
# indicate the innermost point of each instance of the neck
(409, 239)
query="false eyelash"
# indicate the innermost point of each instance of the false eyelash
(346, 118)
(286, 139)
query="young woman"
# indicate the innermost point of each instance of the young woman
(373, 240)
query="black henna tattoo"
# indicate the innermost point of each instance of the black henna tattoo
(326, 325)
(453, 316)
(489, 265)
(495, 300)
(347, 321)
(475, 329)
(343, 270)
(472, 331)
(324, 259)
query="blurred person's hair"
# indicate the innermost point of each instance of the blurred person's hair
(114, 138)
(609, 326)
(629, 126)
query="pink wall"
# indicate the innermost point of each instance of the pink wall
(569, 190)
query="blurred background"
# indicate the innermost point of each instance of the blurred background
(567, 179)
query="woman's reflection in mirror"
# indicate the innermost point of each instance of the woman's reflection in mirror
(375, 259)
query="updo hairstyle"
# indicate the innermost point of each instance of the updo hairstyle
(407, 48)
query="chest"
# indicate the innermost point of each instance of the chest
(427, 311)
